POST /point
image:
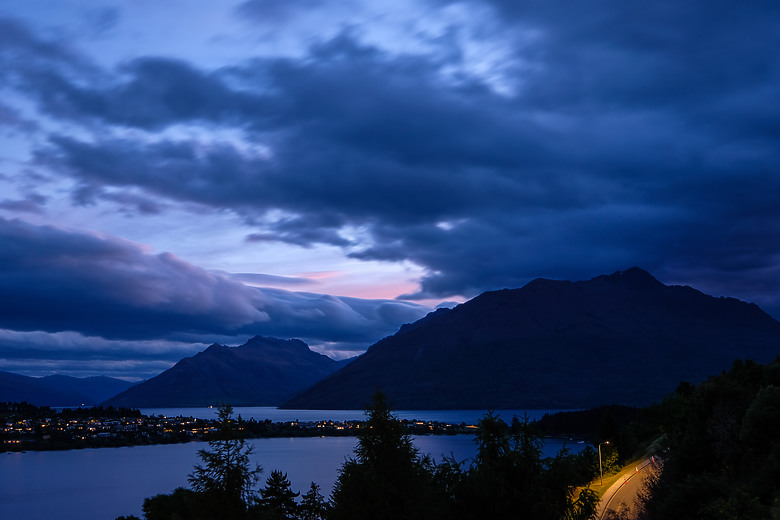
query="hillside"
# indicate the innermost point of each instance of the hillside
(58, 390)
(624, 338)
(262, 372)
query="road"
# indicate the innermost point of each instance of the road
(621, 494)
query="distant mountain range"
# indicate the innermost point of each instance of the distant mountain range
(624, 338)
(59, 390)
(262, 372)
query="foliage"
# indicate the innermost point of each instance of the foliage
(718, 440)
(509, 475)
(278, 498)
(182, 504)
(595, 424)
(610, 459)
(387, 479)
(313, 505)
(723, 450)
(623, 512)
(225, 477)
(508, 478)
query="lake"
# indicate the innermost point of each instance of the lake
(101, 484)
(261, 413)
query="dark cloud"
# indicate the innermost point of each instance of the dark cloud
(12, 122)
(273, 12)
(69, 353)
(632, 135)
(132, 203)
(54, 280)
(29, 62)
(304, 231)
(33, 203)
(335, 318)
(635, 56)
(151, 93)
(69, 346)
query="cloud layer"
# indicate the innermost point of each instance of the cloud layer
(60, 281)
(487, 143)
(112, 288)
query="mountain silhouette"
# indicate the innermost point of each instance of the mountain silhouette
(262, 372)
(58, 390)
(624, 338)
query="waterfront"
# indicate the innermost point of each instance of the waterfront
(262, 413)
(29, 428)
(101, 484)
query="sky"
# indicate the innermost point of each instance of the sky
(179, 173)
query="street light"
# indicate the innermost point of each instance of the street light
(601, 472)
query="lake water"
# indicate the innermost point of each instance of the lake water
(101, 484)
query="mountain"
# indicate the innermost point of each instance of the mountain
(96, 388)
(262, 372)
(624, 338)
(346, 361)
(58, 390)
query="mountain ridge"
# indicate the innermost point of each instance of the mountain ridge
(59, 390)
(625, 338)
(262, 372)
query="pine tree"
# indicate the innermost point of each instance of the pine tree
(509, 477)
(278, 498)
(313, 505)
(387, 479)
(225, 477)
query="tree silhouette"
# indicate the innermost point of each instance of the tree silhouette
(313, 505)
(277, 498)
(510, 479)
(722, 450)
(387, 479)
(225, 477)
(182, 504)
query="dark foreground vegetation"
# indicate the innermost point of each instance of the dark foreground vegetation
(389, 479)
(722, 447)
(718, 443)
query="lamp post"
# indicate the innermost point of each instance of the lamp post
(601, 472)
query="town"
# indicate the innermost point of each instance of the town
(26, 427)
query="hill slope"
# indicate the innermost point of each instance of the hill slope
(262, 372)
(624, 338)
(58, 390)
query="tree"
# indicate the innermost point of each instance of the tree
(510, 479)
(623, 512)
(277, 498)
(387, 479)
(225, 477)
(492, 440)
(722, 453)
(182, 504)
(313, 505)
